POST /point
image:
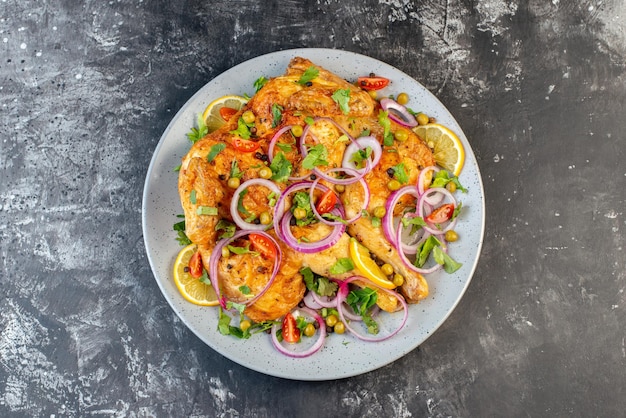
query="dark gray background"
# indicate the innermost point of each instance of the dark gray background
(87, 88)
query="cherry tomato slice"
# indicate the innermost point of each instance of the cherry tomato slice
(227, 112)
(244, 145)
(195, 265)
(327, 202)
(263, 245)
(372, 83)
(291, 332)
(441, 214)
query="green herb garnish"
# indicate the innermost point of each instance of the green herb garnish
(308, 75)
(342, 98)
(343, 265)
(316, 156)
(281, 168)
(215, 149)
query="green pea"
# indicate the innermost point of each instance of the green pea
(248, 117)
(379, 212)
(423, 119)
(451, 235)
(234, 182)
(393, 185)
(265, 173)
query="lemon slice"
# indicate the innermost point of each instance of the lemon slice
(447, 148)
(190, 287)
(367, 267)
(212, 118)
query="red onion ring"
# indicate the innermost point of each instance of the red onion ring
(392, 201)
(234, 212)
(309, 247)
(343, 292)
(324, 301)
(398, 113)
(319, 343)
(216, 254)
(360, 144)
(406, 260)
(421, 211)
(420, 184)
(274, 140)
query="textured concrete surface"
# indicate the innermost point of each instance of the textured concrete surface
(86, 90)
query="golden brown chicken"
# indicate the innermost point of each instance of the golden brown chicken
(326, 120)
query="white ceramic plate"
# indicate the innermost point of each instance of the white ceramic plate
(343, 355)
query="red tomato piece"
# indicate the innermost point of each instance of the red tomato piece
(291, 332)
(227, 112)
(327, 202)
(195, 265)
(263, 245)
(245, 145)
(441, 214)
(372, 83)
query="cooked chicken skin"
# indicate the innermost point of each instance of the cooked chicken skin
(207, 181)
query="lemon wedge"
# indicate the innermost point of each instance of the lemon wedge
(212, 117)
(447, 148)
(367, 267)
(191, 288)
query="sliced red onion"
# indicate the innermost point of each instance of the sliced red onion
(434, 199)
(310, 302)
(406, 260)
(288, 349)
(309, 247)
(216, 254)
(274, 140)
(360, 144)
(398, 113)
(343, 292)
(324, 301)
(392, 201)
(421, 209)
(234, 212)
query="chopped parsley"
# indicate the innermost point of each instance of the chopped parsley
(359, 157)
(235, 172)
(215, 149)
(309, 74)
(227, 227)
(342, 98)
(400, 173)
(442, 178)
(385, 122)
(206, 210)
(182, 238)
(361, 301)
(242, 250)
(243, 129)
(277, 114)
(281, 168)
(260, 82)
(318, 284)
(317, 156)
(343, 265)
(449, 265)
(198, 133)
